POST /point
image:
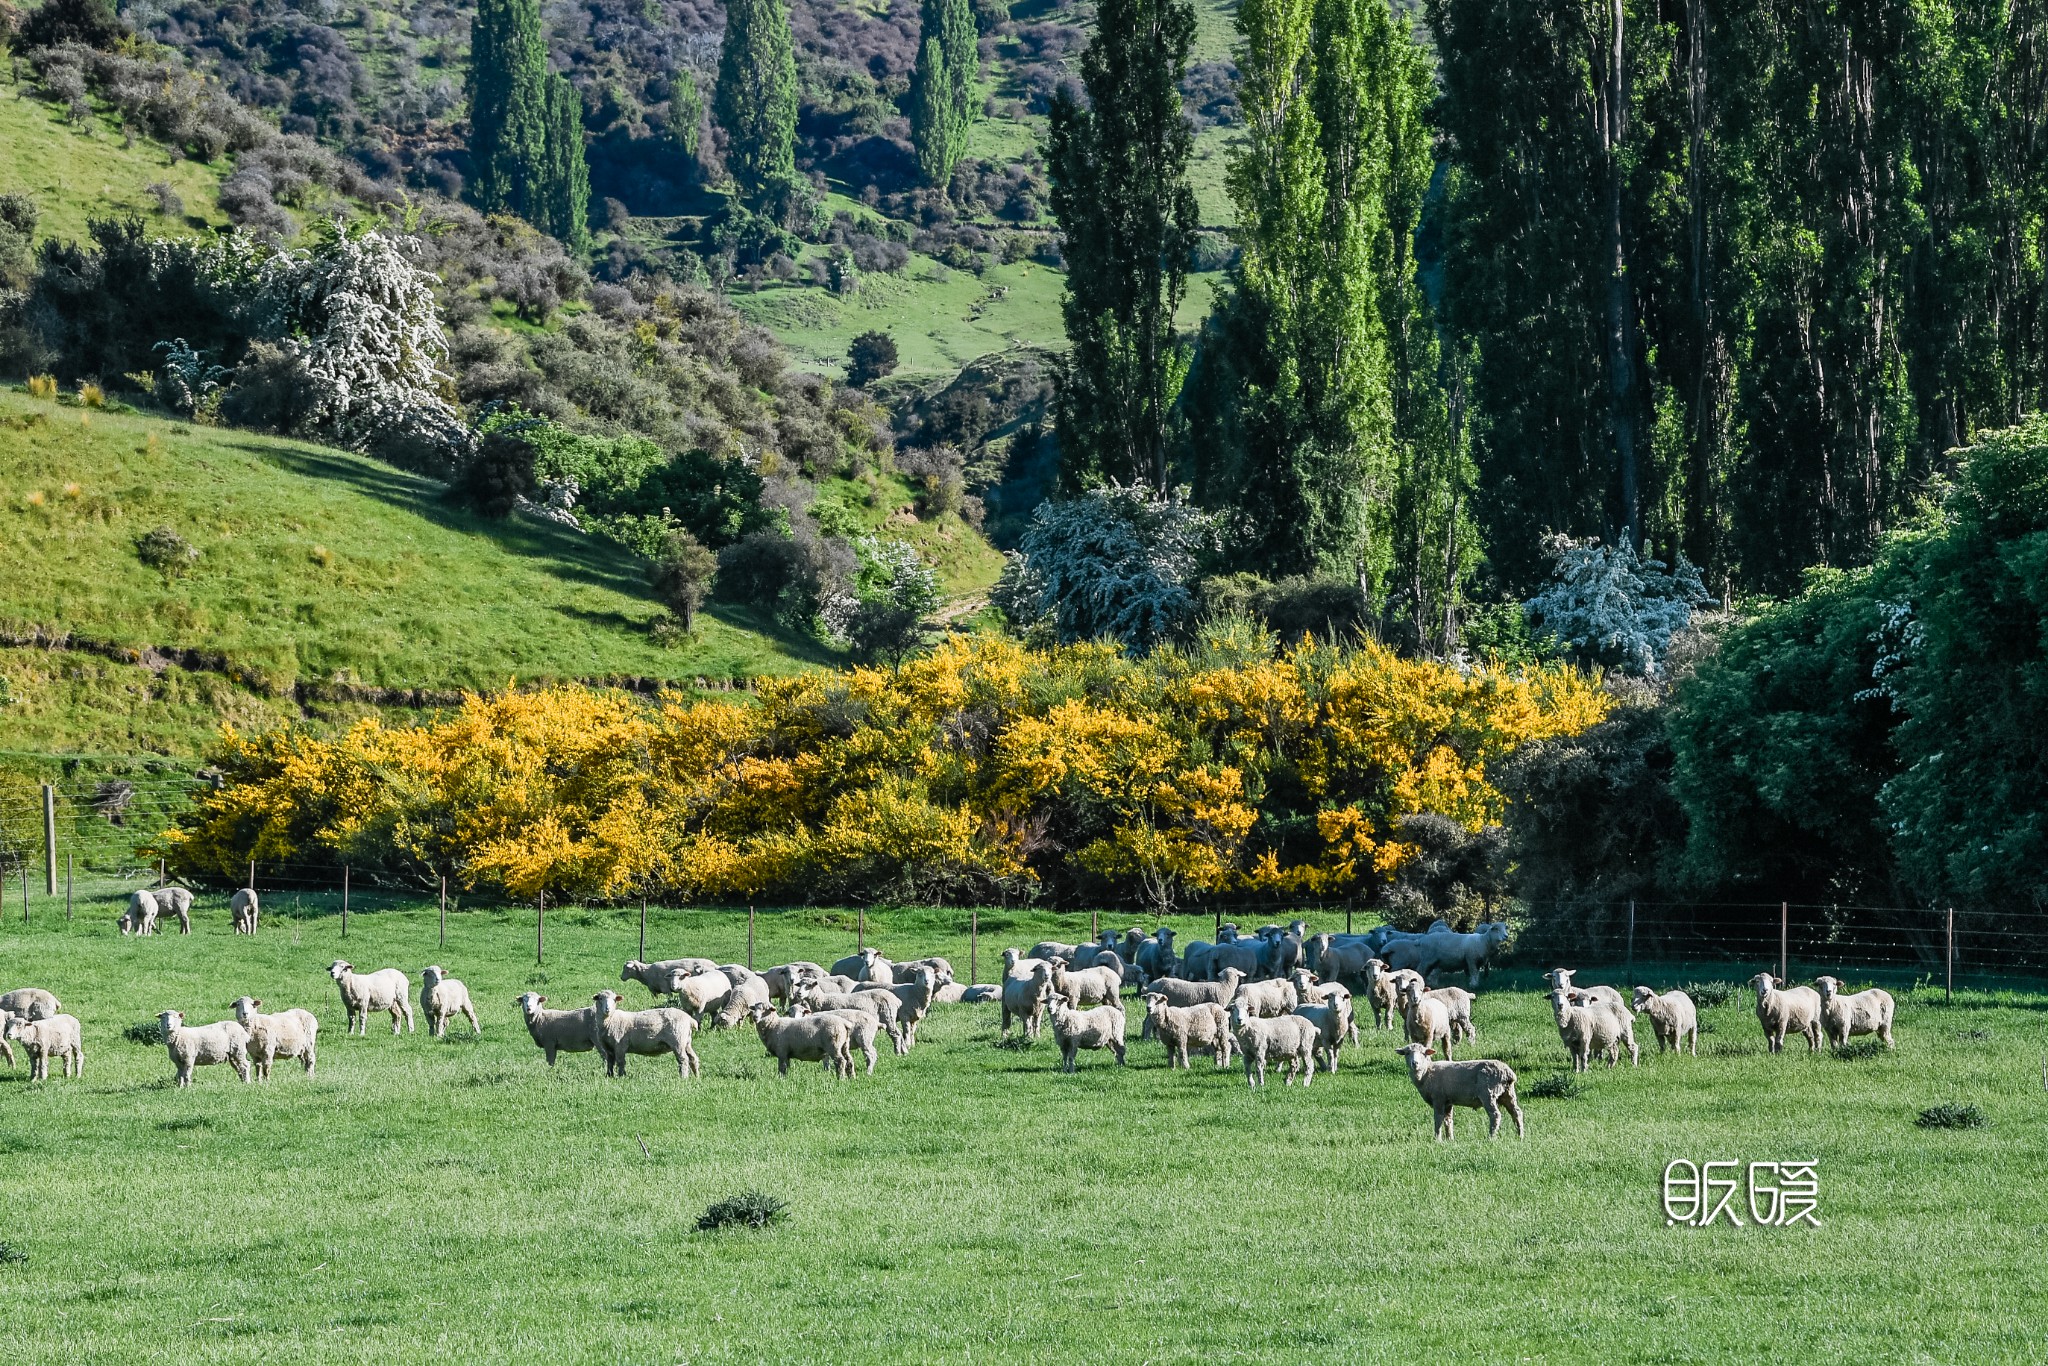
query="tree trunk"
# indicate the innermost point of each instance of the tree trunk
(1621, 378)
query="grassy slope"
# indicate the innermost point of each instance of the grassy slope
(427, 1198)
(77, 172)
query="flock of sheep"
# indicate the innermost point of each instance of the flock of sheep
(1279, 998)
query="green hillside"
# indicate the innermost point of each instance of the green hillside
(77, 171)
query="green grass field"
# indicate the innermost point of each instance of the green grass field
(458, 1199)
(78, 172)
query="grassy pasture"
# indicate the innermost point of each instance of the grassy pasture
(426, 1198)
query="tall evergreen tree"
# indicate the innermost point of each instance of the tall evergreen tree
(1119, 173)
(756, 101)
(508, 117)
(566, 210)
(944, 87)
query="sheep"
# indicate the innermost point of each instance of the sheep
(176, 901)
(941, 970)
(140, 917)
(1384, 987)
(1276, 997)
(7, 1049)
(1865, 1012)
(1458, 1002)
(1447, 949)
(617, 1034)
(824, 1038)
(1673, 1018)
(1025, 990)
(1181, 992)
(868, 965)
(1426, 1018)
(1333, 961)
(1285, 1038)
(913, 1000)
(1194, 961)
(861, 1025)
(1087, 955)
(1282, 953)
(442, 998)
(747, 989)
(1332, 1020)
(1595, 1027)
(697, 992)
(981, 993)
(363, 994)
(1100, 985)
(1562, 978)
(1792, 1010)
(655, 976)
(881, 1004)
(281, 1034)
(244, 910)
(1201, 1028)
(1317, 993)
(1101, 1027)
(782, 980)
(31, 1003)
(57, 1035)
(1482, 1084)
(205, 1045)
(1155, 955)
(558, 1031)
(1050, 949)
(1244, 955)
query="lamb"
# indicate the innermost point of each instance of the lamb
(655, 976)
(31, 1003)
(1384, 987)
(176, 901)
(1101, 1027)
(442, 998)
(913, 999)
(697, 992)
(650, 1033)
(1025, 991)
(1595, 1027)
(1792, 1010)
(1865, 1012)
(282, 1034)
(205, 1045)
(866, 966)
(1561, 978)
(244, 910)
(1332, 1020)
(558, 1031)
(140, 917)
(1427, 1019)
(782, 980)
(862, 1025)
(54, 1035)
(824, 1038)
(1482, 1084)
(881, 1004)
(1673, 1018)
(1102, 984)
(1201, 1028)
(1286, 1038)
(362, 995)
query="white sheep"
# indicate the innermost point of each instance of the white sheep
(656, 976)
(1047, 950)
(558, 1031)
(1864, 1012)
(1458, 1003)
(1317, 993)
(1593, 1028)
(863, 1025)
(1479, 1084)
(176, 901)
(697, 992)
(280, 1034)
(867, 965)
(1791, 1010)
(442, 998)
(1332, 1020)
(1384, 986)
(244, 910)
(1444, 950)
(31, 1003)
(748, 988)
(618, 1034)
(782, 979)
(1427, 1019)
(1026, 988)
(941, 970)
(981, 993)
(1085, 955)
(1285, 1039)
(1154, 955)
(878, 1002)
(1561, 979)
(1181, 992)
(1201, 1028)
(1074, 1030)
(365, 994)
(1277, 997)
(913, 998)
(204, 1045)
(822, 1038)
(1673, 1019)
(55, 1035)
(140, 917)
(1100, 984)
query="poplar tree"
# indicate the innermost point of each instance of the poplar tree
(944, 86)
(566, 210)
(756, 100)
(508, 115)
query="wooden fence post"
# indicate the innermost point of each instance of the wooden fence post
(444, 910)
(49, 840)
(1095, 924)
(24, 891)
(540, 929)
(642, 955)
(344, 901)
(1631, 936)
(67, 884)
(750, 936)
(973, 943)
(252, 875)
(1784, 942)
(860, 939)
(1951, 955)
(1347, 917)
(159, 872)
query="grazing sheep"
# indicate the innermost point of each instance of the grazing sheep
(1026, 988)
(941, 970)
(558, 1031)
(244, 910)
(862, 1025)
(980, 994)
(442, 998)
(880, 1003)
(364, 994)
(1332, 1021)
(55, 1035)
(913, 999)
(698, 992)
(1864, 1012)
(661, 1029)
(204, 1045)
(1673, 1019)
(1561, 979)
(31, 1003)
(1100, 985)
(748, 988)
(824, 1038)
(140, 917)
(1285, 1039)
(782, 980)
(281, 1034)
(176, 901)
(1481, 1084)
(1102, 1027)
(1184, 1029)
(1445, 950)
(656, 976)
(1595, 1027)
(1268, 998)
(1427, 1019)
(1792, 1010)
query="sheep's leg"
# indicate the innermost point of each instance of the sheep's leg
(1492, 1109)
(1514, 1107)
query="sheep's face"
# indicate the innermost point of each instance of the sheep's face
(339, 968)
(761, 1010)
(1828, 987)
(1643, 997)
(606, 1002)
(171, 1019)
(13, 1026)
(430, 975)
(529, 1004)
(1762, 983)
(244, 1007)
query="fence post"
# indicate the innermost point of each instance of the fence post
(344, 901)
(643, 928)
(1217, 930)
(973, 942)
(1951, 955)
(1095, 924)
(750, 937)
(540, 929)
(49, 840)
(860, 940)
(159, 872)
(1347, 917)
(1631, 937)
(1784, 942)
(24, 891)
(444, 910)
(67, 884)
(252, 875)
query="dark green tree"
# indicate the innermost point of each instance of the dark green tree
(870, 356)
(508, 108)
(565, 209)
(756, 101)
(1119, 172)
(944, 87)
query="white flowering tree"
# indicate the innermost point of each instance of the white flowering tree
(893, 591)
(1603, 605)
(1118, 561)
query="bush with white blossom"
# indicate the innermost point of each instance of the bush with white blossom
(1118, 561)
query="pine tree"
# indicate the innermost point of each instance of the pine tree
(1128, 216)
(756, 101)
(566, 210)
(508, 117)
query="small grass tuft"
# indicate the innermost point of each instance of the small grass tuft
(749, 1209)
(92, 396)
(1860, 1049)
(166, 550)
(144, 1031)
(43, 387)
(1708, 994)
(10, 1255)
(185, 1124)
(1556, 1086)
(1950, 1115)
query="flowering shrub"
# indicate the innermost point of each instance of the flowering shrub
(979, 769)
